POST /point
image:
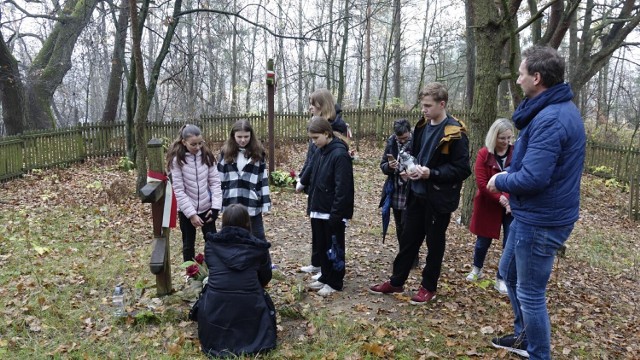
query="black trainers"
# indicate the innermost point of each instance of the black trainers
(512, 344)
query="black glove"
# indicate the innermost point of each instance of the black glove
(336, 224)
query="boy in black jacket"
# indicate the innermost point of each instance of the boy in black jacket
(441, 149)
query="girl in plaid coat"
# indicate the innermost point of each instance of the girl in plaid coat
(243, 174)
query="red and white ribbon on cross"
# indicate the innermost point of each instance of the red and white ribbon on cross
(170, 211)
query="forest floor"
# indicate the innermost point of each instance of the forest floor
(67, 236)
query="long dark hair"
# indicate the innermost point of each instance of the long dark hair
(236, 215)
(254, 149)
(179, 151)
(320, 125)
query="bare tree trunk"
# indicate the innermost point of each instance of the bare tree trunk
(573, 53)
(536, 26)
(301, 99)
(117, 65)
(14, 109)
(471, 55)
(397, 48)
(234, 62)
(367, 57)
(382, 98)
(53, 62)
(212, 68)
(426, 36)
(610, 36)
(343, 53)
(145, 94)
(191, 97)
(329, 51)
(490, 40)
(252, 60)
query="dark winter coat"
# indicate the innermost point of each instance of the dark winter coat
(236, 315)
(393, 175)
(338, 125)
(449, 165)
(486, 218)
(544, 177)
(330, 181)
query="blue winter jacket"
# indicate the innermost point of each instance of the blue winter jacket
(544, 177)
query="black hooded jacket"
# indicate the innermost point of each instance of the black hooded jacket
(330, 181)
(338, 125)
(236, 315)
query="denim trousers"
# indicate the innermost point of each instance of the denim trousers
(526, 264)
(483, 244)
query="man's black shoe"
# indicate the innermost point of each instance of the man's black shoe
(512, 344)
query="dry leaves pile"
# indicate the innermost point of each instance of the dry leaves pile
(593, 294)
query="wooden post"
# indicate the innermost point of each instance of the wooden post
(154, 193)
(271, 85)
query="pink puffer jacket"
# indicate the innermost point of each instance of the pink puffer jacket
(196, 185)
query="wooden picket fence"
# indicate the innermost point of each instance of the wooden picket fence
(614, 161)
(44, 149)
(50, 148)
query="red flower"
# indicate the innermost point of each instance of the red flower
(193, 270)
(292, 174)
(199, 258)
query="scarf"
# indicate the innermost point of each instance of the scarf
(529, 108)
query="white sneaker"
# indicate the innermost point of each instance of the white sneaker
(475, 274)
(316, 276)
(326, 290)
(501, 286)
(310, 269)
(316, 285)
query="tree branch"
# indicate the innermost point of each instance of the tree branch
(228, 13)
(534, 17)
(49, 17)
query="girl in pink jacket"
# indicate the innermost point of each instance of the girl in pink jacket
(196, 185)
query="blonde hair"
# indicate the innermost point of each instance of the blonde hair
(323, 100)
(498, 127)
(436, 90)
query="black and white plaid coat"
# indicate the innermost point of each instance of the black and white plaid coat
(249, 188)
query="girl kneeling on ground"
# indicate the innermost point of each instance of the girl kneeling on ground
(236, 315)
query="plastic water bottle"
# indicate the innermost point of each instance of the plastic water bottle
(408, 161)
(118, 302)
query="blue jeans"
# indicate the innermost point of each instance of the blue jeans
(483, 244)
(526, 264)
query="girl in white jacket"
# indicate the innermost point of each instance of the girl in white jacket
(196, 184)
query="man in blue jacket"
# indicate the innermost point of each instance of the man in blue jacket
(544, 186)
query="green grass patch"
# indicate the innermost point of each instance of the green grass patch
(604, 250)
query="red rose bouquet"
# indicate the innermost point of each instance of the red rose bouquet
(196, 269)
